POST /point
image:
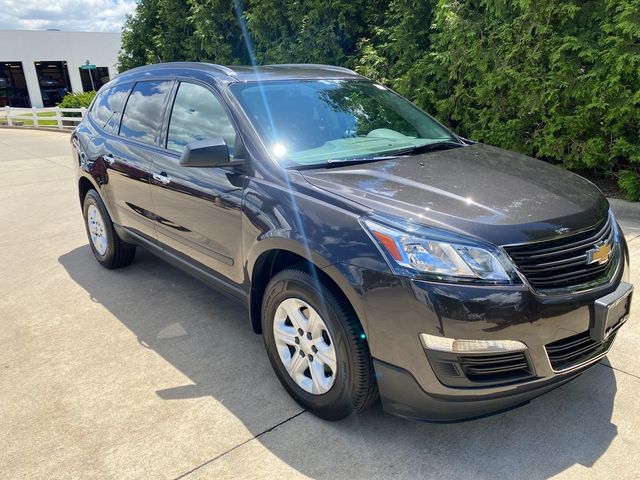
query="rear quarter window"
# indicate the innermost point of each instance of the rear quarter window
(143, 112)
(107, 108)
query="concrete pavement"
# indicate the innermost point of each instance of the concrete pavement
(146, 373)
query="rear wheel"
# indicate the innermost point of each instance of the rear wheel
(107, 247)
(316, 345)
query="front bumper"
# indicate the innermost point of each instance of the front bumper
(402, 396)
(397, 310)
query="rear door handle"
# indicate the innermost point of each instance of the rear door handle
(162, 178)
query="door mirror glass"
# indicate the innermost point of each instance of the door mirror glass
(205, 153)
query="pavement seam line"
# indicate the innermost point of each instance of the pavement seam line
(217, 457)
(621, 371)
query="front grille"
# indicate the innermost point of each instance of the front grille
(562, 262)
(573, 350)
(495, 368)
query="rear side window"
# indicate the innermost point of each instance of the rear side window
(143, 112)
(197, 114)
(108, 107)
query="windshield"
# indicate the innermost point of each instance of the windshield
(319, 121)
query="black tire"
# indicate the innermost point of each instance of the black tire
(118, 253)
(354, 387)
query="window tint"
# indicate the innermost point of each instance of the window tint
(198, 115)
(108, 106)
(143, 112)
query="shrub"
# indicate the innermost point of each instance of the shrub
(77, 99)
(629, 182)
(555, 80)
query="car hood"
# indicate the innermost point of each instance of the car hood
(486, 192)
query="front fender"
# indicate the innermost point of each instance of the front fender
(311, 224)
(316, 227)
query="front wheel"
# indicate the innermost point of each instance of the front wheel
(107, 247)
(316, 345)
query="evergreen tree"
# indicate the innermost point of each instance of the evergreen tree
(307, 31)
(556, 80)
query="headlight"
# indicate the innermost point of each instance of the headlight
(440, 259)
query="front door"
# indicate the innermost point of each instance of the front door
(198, 210)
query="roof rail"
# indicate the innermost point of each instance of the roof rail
(316, 65)
(223, 69)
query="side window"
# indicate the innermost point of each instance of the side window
(143, 111)
(108, 106)
(197, 114)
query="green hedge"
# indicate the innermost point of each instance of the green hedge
(558, 80)
(77, 99)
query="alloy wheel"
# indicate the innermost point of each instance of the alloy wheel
(305, 346)
(97, 230)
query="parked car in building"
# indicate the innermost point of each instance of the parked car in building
(52, 90)
(378, 252)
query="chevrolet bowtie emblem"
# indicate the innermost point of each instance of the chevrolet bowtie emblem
(600, 254)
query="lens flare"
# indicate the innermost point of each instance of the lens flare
(279, 150)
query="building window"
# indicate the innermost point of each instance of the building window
(99, 75)
(13, 86)
(53, 78)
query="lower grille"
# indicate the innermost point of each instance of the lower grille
(574, 350)
(562, 262)
(495, 368)
(480, 370)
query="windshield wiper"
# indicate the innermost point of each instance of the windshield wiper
(361, 159)
(338, 162)
(427, 147)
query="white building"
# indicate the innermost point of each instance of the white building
(38, 67)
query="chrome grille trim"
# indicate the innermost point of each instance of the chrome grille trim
(561, 262)
(602, 234)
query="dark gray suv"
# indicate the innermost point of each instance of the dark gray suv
(378, 253)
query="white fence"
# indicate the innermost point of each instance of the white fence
(53, 117)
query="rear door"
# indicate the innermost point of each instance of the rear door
(198, 209)
(95, 143)
(129, 155)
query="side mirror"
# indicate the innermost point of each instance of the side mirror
(206, 153)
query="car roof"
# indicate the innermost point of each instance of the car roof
(232, 74)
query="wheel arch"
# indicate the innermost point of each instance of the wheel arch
(84, 185)
(274, 260)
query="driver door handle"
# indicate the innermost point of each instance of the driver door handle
(162, 178)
